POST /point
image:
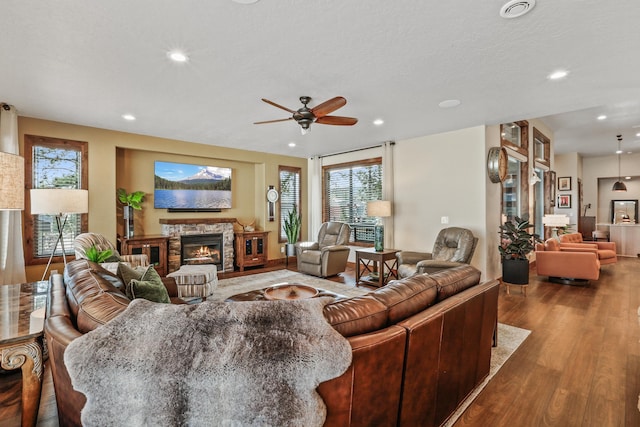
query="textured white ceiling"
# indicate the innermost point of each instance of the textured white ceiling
(89, 62)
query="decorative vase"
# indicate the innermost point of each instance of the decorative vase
(378, 236)
(128, 222)
(515, 271)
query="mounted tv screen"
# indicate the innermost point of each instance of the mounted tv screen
(180, 186)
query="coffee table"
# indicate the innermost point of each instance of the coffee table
(21, 336)
(259, 294)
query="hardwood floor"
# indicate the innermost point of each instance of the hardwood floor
(579, 367)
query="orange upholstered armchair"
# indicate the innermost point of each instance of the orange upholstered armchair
(567, 265)
(606, 250)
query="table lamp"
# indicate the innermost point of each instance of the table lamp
(379, 209)
(555, 221)
(59, 202)
(11, 182)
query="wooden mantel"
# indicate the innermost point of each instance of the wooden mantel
(196, 220)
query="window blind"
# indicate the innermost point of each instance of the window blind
(289, 195)
(346, 190)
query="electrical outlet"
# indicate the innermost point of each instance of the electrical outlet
(444, 220)
(282, 250)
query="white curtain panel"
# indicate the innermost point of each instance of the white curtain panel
(387, 191)
(315, 198)
(11, 253)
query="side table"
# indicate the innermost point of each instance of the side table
(364, 260)
(21, 336)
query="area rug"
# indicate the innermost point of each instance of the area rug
(249, 364)
(242, 284)
(509, 339)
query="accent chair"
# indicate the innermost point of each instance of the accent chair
(454, 246)
(328, 256)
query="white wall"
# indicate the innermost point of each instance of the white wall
(568, 165)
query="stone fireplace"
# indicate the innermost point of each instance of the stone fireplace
(197, 249)
(179, 228)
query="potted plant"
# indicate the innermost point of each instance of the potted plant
(292, 224)
(515, 244)
(130, 201)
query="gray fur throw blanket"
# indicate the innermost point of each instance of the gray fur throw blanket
(210, 364)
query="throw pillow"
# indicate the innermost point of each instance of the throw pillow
(127, 273)
(149, 286)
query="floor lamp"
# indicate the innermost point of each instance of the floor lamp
(59, 202)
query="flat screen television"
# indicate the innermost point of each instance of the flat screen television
(180, 186)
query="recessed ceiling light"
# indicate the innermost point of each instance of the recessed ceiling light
(601, 117)
(292, 144)
(638, 134)
(618, 151)
(378, 122)
(129, 117)
(557, 75)
(177, 56)
(449, 103)
(516, 8)
(627, 177)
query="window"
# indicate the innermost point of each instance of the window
(539, 207)
(289, 195)
(515, 189)
(515, 135)
(347, 188)
(512, 190)
(53, 163)
(541, 148)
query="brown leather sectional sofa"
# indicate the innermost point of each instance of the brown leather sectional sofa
(420, 344)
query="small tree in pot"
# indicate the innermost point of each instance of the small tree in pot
(130, 201)
(515, 244)
(292, 224)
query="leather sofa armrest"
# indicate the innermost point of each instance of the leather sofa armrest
(432, 265)
(335, 248)
(172, 287)
(579, 249)
(578, 245)
(409, 257)
(306, 246)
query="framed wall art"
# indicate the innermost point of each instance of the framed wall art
(564, 201)
(564, 183)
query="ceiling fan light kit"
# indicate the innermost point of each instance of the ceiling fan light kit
(305, 116)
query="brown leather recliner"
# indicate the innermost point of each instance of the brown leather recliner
(606, 250)
(454, 246)
(566, 265)
(328, 256)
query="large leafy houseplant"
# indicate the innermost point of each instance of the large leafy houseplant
(133, 199)
(515, 241)
(515, 244)
(292, 224)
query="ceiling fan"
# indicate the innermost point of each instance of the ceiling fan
(318, 114)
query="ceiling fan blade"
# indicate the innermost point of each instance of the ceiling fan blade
(337, 120)
(273, 121)
(278, 105)
(328, 106)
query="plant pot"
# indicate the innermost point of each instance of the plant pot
(515, 271)
(128, 222)
(290, 249)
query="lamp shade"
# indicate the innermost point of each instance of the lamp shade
(619, 186)
(11, 182)
(555, 220)
(54, 201)
(379, 208)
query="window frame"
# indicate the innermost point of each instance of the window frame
(351, 165)
(282, 237)
(31, 141)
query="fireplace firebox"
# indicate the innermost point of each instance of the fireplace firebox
(202, 249)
